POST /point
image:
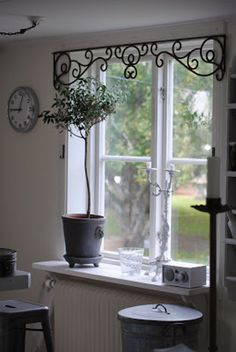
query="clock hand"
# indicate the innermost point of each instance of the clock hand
(21, 102)
(15, 109)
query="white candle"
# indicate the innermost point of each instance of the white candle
(213, 177)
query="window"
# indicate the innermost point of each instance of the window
(127, 148)
(166, 119)
(191, 143)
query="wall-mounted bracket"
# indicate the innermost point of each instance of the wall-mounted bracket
(71, 65)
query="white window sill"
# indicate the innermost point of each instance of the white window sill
(109, 273)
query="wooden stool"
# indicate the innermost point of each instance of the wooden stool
(14, 315)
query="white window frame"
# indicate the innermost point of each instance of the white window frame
(99, 159)
(96, 163)
(161, 150)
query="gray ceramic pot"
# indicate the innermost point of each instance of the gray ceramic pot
(83, 238)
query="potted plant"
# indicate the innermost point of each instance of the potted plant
(77, 109)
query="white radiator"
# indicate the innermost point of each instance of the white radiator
(86, 315)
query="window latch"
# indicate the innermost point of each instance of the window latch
(163, 93)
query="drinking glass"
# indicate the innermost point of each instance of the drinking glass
(131, 260)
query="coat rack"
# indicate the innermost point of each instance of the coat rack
(213, 207)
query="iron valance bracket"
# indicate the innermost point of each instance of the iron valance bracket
(71, 65)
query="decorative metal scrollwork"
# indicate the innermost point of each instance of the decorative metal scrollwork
(68, 70)
(192, 58)
(130, 55)
(69, 66)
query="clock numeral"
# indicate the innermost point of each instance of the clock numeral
(31, 108)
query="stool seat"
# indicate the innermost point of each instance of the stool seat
(14, 315)
(178, 348)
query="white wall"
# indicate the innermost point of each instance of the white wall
(31, 177)
(31, 172)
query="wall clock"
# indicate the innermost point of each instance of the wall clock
(23, 109)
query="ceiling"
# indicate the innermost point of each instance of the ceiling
(62, 17)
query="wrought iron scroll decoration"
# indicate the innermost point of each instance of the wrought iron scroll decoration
(67, 64)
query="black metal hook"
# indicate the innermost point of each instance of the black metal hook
(62, 155)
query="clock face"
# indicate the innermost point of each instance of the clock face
(23, 109)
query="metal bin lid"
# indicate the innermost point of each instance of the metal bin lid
(162, 313)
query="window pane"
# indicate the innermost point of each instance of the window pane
(126, 206)
(192, 113)
(190, 228)
(129, 131)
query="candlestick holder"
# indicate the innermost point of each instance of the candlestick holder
(163, 235)
(213, 207)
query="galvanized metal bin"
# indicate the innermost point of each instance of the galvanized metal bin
(149, 327)
(7, 261)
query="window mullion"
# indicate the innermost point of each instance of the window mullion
(99, 169)
(169, 111)
(99, 164)
(156, 157)
(167, 135)
(126, 158)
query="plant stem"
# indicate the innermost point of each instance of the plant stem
(86, 175)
